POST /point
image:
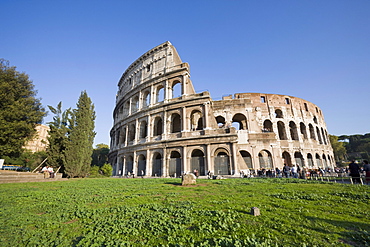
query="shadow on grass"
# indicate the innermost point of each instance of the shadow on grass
(174, 183)
(355, 234)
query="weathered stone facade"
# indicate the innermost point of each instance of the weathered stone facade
(163, 128)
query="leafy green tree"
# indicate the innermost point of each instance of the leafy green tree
(79, 147)
(338, 148)
(100, 155)
(58, 135)
(20, 110)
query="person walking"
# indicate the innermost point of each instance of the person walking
(354, 172)
(286, 170)
(367, 171)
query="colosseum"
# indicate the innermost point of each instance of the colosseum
(163, 128)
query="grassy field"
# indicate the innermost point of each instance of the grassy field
(161, 212)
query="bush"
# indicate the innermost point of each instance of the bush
(98, 172)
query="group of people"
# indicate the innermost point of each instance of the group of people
(48, 171)
(355, 171)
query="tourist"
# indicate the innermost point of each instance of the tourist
(354, 171)
(299, 171)
(277, 172)
(241, 174)
(51, 172)
(45, 171)
(286, 170)
(367, 171)
(294, 171)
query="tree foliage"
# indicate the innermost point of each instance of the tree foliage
(20, 110)
(58, 135)
(338, 148)
(100, 155)
(79, 147)
(358, 146)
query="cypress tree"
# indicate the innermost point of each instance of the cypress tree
(79, 147)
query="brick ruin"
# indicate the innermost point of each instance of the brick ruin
(163, 128)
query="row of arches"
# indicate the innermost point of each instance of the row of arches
(150, 96)
(313, 133)
(265, 159)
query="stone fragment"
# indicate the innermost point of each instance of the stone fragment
(255, 211)
(189, 179)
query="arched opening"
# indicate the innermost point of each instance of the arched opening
(239, 121)
(287, 159)
(309, 161)
(197, 162)
(118, 137)
(157, 165)
(131, 132)
(160, 94)
(324, 161)
(175, 164)
(278, 113)
(158, 126)
(135, 104)
(126, 108)
(196, 120)
(318, 160)
(143, 129)
(129, 165)
(222, 163)
(281, 130)
(247, 159)
(312, 132)
(146, 99)
(293, 131)
(175, 123)
(298, 159)
(123, 135)
(176, 89)
(141, 171)
(302, 126)
(318, 135)
(267, 126)
(265, 159)
(323, 136)
(220, 121)
(315, 119)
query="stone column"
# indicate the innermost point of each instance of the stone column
(164, 163)
(148, 164)
(184, 159)
(149, 130)
(234, 160)
(183, 118)
(134, 165)
(205, 115)
(210, 166)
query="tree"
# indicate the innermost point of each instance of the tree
(100, 155)
(58, 135)
(338, 148)
(20, 110)
(79, 147)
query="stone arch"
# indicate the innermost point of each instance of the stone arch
(176, 90)
(324, 161)
(247, 158)
(157, 165)
(126, 108)
(175, 123)
(293, 131)
(298, 157)
(318, 135)
(146, 98)
(196, 119)
(318, 160)
(135, 104)
(287, 158)
(241, 121)
(129, 165)
(143, 129)
(302, 126)
(158, 126)
(123, 135)
(159, 94)
(278, 113)
(323, 136)
(267, 126)
(221, 121)
(131, 132)
(312, 132)
(222, 162)
(265, 159)
(197, 162)
(281, 130)
(310, 160)
(141, 160)
(175, 166)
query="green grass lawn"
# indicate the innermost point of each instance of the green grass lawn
(161, 212)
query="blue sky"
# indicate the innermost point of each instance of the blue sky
(318, 50)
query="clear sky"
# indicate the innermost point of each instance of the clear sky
(318, 50)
